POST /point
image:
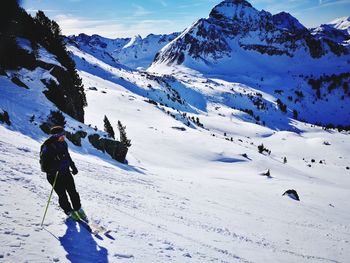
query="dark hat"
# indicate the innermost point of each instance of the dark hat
(57, 131)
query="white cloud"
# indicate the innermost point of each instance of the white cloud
(333, 2)
(34, 11)
(274, 6)
(163, 3)
(328, 3)
(72, 25)
(140, 11)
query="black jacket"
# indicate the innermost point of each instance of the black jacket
(56, 156)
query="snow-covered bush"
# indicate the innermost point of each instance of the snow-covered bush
(75, 138)
(114, 148)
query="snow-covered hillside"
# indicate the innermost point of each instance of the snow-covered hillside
(188, 194)
(194, 200)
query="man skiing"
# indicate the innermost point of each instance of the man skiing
(55, 160)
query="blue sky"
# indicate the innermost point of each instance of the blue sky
(125, 18)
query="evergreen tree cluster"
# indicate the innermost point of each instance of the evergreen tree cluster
(122, 132)
(315, 46)
(15, 22)
(281, 106)
(339, 127)
(197, 121)
(332, 82)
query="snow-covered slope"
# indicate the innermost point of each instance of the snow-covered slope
(135, 52)
(188, 194)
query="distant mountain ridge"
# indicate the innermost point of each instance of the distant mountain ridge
(131, 52)
(337, 30)
(342, 23)
(234, 31)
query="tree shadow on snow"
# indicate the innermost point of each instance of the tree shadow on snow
(81, 246)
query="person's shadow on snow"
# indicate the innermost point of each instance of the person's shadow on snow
(80, 245)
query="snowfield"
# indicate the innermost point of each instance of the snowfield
(187, 194)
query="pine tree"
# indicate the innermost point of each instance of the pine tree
(108, 127)
(123, 138)
(56, 118)
(51, 38)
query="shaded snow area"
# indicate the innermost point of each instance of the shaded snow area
(189, 193)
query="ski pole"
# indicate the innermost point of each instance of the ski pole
(48, 201)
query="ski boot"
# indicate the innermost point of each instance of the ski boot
(82, 214)
(74, 215)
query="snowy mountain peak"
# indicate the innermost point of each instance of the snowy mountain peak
(232, 3)
(134, 41)
(337, 30)
(233, 10)
(342, 23)
(286, 21)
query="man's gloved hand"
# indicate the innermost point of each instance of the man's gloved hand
(74, 169)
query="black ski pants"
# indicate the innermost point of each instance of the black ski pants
(65, 184)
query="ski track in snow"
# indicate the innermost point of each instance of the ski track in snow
(150, 223)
